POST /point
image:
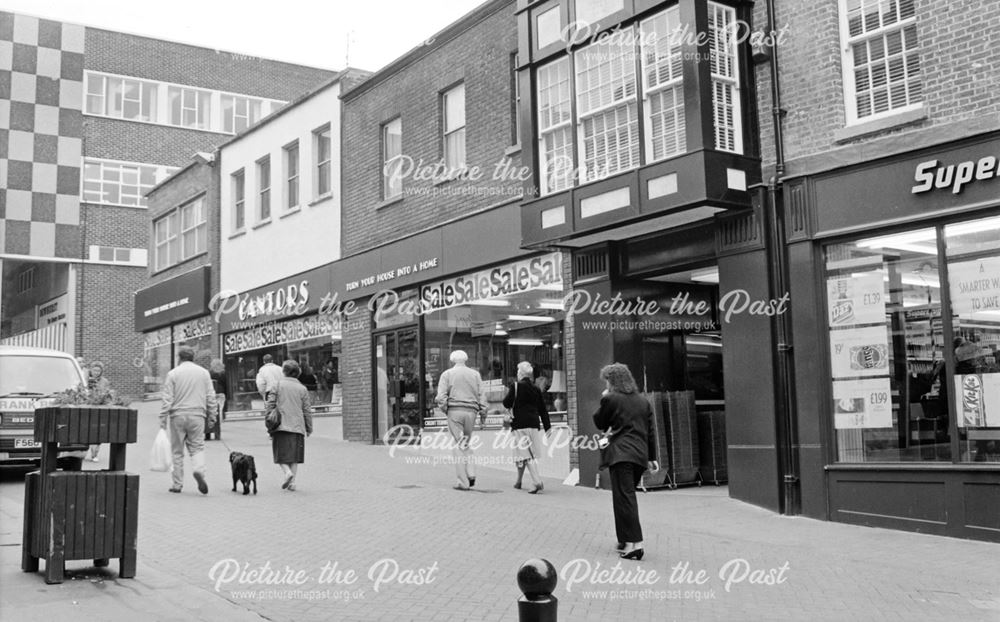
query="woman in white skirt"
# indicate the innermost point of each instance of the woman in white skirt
(525, 401)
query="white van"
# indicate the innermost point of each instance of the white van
(29, 377)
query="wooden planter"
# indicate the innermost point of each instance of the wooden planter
(81, 515)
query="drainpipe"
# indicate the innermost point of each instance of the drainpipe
(775, 222)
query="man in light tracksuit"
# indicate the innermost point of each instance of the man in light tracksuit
(188, 407)
(460, 396)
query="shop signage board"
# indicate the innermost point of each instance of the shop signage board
(975, 286)
(541, 272)
(181, 298)
(275, 333)
(978, 400)
(857, 299)
(52, 312)
(862, 403)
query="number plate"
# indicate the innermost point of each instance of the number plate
(26, 443)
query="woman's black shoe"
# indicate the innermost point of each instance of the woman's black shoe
(635, 554)
(620, 546)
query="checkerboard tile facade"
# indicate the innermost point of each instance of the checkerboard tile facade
(41, 136)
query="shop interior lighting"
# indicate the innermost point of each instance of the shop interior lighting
(910, 241)
(555, 305)
(530, 318)
(491, 303)
(704, 342)
(499, 333)
(930, 280)
(706, 275)
(524, 342)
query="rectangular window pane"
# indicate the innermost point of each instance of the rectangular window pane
(392, 149)
(264, 189)
(239, 216)
(454, 127)
(590, 11)
(322, 146)
(725, 78)
(664, 93)
(548, 27)
(608, 115)
(973, 250)
(555, 132)
(887, 349)
(292, 176)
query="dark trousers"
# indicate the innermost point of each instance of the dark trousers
(624, 478)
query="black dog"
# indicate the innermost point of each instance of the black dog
(244, 470)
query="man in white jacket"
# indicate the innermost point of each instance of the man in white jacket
(268, 377)
(188, 406)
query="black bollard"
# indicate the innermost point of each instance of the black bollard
(537, 580)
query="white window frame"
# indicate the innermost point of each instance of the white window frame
(847, 65)
(202, 108)
(292, 187)
(239, 184)
(602, 51)
(725, 70)
(264, 189)
(453, 150)
(392, 181)
(674, 82)
(515, 91)
(563, 128)
(231, 116)
(136, 191)
(322, 166)
(166, 243)
(99, 99)
(197, 224)
(148, 94)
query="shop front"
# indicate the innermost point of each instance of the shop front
(171, 314)
(289, 321)
(898, 263)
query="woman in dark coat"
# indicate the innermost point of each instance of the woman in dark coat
(288, 443)
(631, 451)
(528, 406)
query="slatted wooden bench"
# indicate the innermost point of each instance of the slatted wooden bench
(87, 514)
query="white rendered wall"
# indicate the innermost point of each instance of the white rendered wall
(296, 240)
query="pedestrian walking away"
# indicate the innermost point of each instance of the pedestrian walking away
(525, 400)
(628, 417)
(460, 396)
(268, 376)
(188, 406)
(291, 399)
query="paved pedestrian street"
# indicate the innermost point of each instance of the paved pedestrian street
(369, 536)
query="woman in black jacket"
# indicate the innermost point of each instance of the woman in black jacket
(631, 451)
(528, 406)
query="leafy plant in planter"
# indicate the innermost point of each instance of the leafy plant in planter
(81, 395)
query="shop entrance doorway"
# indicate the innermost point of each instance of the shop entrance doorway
(398, 404)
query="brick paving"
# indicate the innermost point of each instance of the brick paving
(356, 506)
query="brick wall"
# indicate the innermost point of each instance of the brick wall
(569, 358)
(356, 376)
(105, 323)
(106, 302)
(132, 55)
(959, 59)
(481, 58)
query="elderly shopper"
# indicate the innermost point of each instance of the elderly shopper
(527, 405)
(460, 396)
(188, 405)
(288, 444)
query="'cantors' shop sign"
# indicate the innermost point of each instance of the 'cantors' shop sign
(276, 333)
(542, 272)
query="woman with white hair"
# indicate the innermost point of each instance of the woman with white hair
(528, 407)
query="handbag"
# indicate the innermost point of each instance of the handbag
(272, 416)
(604, 446)
(160, 456)
(508, 416)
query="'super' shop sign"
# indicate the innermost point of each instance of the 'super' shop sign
(276, 333)
(542, 272)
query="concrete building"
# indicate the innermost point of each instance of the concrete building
(90, 120)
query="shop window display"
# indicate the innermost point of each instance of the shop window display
(913, 337)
